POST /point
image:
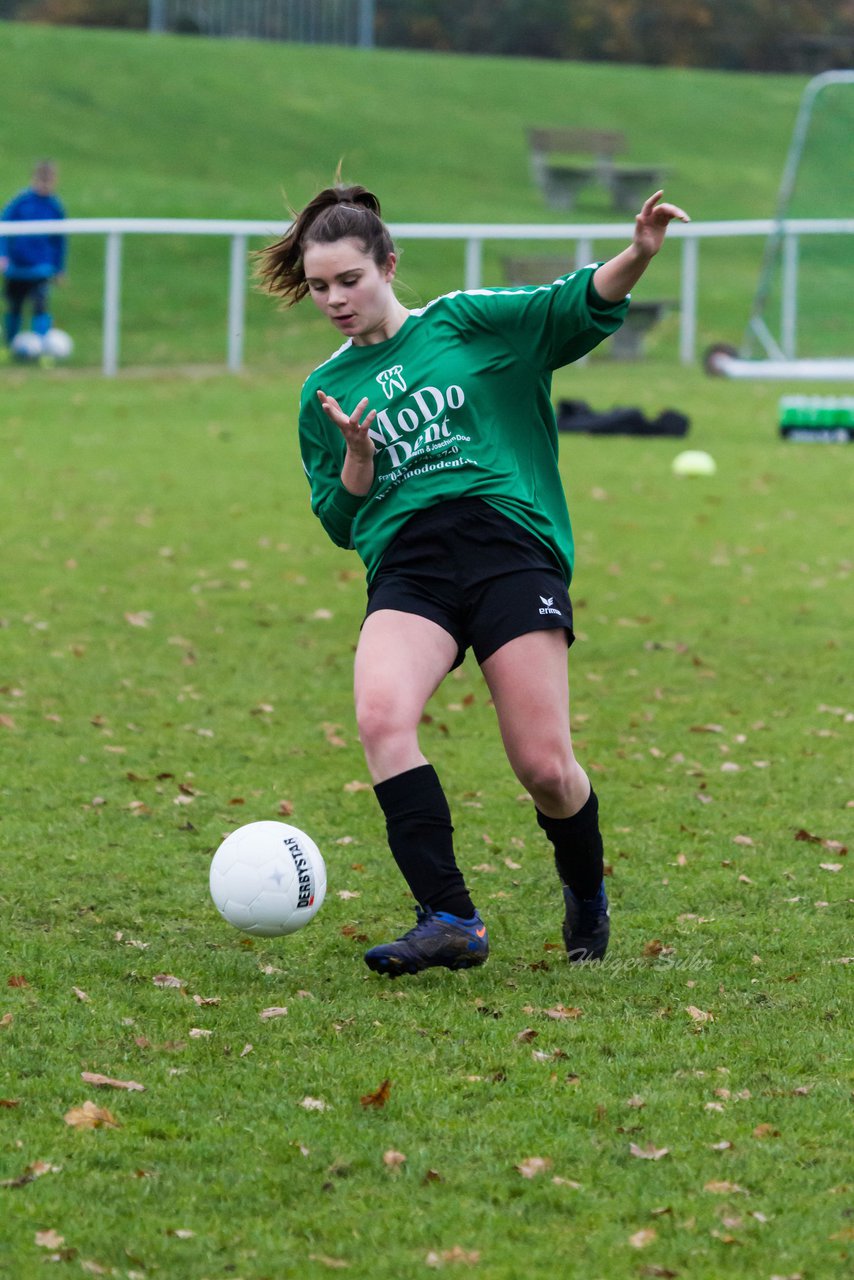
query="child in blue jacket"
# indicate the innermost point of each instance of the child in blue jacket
(31, 263)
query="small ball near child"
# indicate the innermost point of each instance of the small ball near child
(694, 462)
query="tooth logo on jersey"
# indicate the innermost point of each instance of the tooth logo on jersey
(392, 380)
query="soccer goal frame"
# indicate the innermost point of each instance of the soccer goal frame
(778, 360)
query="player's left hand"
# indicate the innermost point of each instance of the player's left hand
(652, 222)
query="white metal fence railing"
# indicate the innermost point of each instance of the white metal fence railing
(471, 235)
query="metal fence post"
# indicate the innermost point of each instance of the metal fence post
(156, 15)
(688, 300)
(367, 14)
(236, 303)
(474, 263)
(789, 302)
(583, 252)
(112, 303)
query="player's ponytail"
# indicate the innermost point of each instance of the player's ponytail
(334, 214)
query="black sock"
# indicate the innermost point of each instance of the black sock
(420, 835)
(578, 847)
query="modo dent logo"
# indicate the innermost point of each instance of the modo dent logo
(392, 380)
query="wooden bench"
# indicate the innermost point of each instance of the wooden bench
(630, 185)
(627, 342)
(561, 175)
(561, 179)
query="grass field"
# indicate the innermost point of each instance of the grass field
(232, 124)
(176, 636)
(176, 639)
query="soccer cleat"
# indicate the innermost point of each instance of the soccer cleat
(587, 926)
(438, 939)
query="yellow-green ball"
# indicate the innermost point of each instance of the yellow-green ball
(694, 462)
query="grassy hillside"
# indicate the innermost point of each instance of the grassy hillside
(172, 126)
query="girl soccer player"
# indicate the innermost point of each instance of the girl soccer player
(430, 445)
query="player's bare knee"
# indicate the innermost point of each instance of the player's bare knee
(380, 721)
(549, 778)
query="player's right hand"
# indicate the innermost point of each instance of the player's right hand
(353, 427)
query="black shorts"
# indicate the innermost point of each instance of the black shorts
(18, 291)
(481, 576)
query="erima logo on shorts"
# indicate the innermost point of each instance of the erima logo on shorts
(302, 866)
(548, 606)
(392, 380)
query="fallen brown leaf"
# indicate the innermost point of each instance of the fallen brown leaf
(92, 1077)
(35, 1170)
(90, 1116)
(644, 1237)
(275, 1011)
(379, 1097)
(167, 980)
(17, 980)
(835, 846)
(49, 1239)
(335, 1264)
(533, 1166)
(393, 1159)
(698, 1015)
(649, 1152)
(561, 1012)
(332, 733)
(468, 1256)
(766, 1131)
(724, 1188)
(81, 995)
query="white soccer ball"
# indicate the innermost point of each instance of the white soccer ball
(694, 462)
(57, 343)
(268, 879)
(26, 346)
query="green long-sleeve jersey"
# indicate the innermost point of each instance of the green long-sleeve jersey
(463, 400)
